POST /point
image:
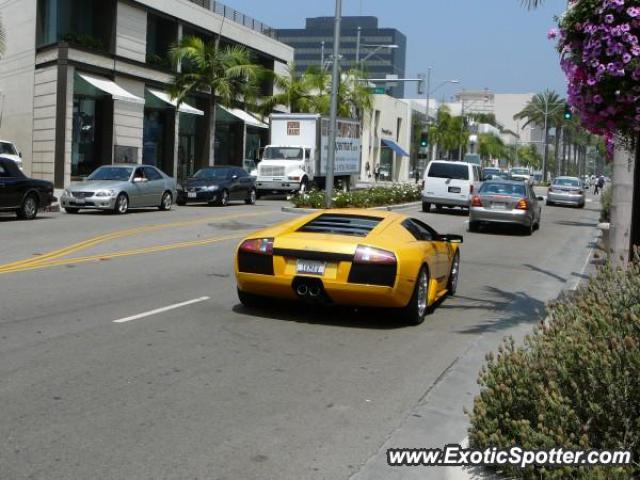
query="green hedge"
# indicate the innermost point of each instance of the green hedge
(575, 383)
(373, 197)
(605, 203)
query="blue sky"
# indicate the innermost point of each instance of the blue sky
(495, 44)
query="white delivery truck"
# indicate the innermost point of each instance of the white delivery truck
(296, 157)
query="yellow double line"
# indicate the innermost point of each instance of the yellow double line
(54, 258)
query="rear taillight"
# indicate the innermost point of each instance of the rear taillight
(262, 246)
(476, 202)
(522, 205)
(374, 255)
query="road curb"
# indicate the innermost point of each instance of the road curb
(388, 208)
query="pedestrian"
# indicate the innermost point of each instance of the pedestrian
(376, 172)
(599, 185)
(368, 169)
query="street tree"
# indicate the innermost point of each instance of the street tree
(228, 73)
(491, 147)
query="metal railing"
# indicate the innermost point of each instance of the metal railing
(236, 16)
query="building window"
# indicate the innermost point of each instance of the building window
(82, 23)
(162, 34)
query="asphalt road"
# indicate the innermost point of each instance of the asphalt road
(212, 390)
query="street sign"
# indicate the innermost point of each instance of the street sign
(379, 90)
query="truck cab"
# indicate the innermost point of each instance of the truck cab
(286, 168)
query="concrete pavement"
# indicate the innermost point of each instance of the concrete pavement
(212, 390)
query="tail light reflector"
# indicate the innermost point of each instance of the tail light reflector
(374, 255)
(523, 204)
(262, 246)
(476, 202)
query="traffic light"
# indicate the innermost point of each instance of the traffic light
(568, 114)
(424, 139)
(421, 78)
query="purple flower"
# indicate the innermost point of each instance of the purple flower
(609, 18)
(552, 34)
(598, 99)
(626, 58)
(633, 12)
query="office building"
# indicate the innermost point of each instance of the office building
(314, 44)
(84, 83)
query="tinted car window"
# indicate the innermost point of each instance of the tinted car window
(7, 148)
(152, 174)
(513, 190)
(213, 173)
(449, 170)
(567, 182)
(121, 174)
(418, 229)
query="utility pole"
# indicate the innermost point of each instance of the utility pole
(461, 129)
(333, 114)
(358, 39)
(322, 56)
(427, 112)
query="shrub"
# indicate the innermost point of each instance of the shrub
(373, 197)
(575, 383)
(605, 201)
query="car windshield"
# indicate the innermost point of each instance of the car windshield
(283, 153)
(503, 189)
(213, 173)
(520, 171)
(7, 149)
(491, 171)
(449, 170)
(567, 182)
(119, 174)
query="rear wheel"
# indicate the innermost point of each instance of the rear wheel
(167, 201)
(473, 226)
(29, 208)
(251, 199)
(415, 311)
(426, 207)
(250, 299)
(304, 186)
(528, 230)
(224, 199)
(454, 275)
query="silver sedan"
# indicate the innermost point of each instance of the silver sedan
(118, 188)
(506, 202)
(567, 191)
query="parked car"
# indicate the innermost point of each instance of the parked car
(218, 185)
(449, 184)
(9, 150)
(522, 174)
(21, 194)
(119, 187)
(567, 191)
(506, 202)
(354, 257)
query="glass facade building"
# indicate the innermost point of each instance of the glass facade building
(315, 42)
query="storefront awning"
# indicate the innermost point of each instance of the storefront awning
(247, 118)
(395, 147)
(112, 88)
(184, 107)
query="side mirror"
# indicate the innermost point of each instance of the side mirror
(451, 238)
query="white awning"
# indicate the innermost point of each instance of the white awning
(112, 88)
(245, 117)
(184, 107)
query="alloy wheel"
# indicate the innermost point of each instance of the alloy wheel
(423, 291)
(123, 204)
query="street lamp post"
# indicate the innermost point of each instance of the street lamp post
(322, 56)
(333, 113)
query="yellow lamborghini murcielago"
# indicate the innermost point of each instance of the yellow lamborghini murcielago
(360, 258)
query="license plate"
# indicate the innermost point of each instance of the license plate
(78, 201)
(499, 206)
(192, 195)
(454, 189)
(310, 267)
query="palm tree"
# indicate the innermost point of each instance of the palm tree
(491, 147)
(531, 4)
(540, 110)
(294, 91)
(227, 73)
(448, 132)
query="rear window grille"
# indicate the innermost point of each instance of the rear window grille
(357, 226)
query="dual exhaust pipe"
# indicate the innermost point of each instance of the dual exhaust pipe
(312, 291)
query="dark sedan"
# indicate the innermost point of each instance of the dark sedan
(21, 194)
(218, 186)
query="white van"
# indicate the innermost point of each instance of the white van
(450, 184)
